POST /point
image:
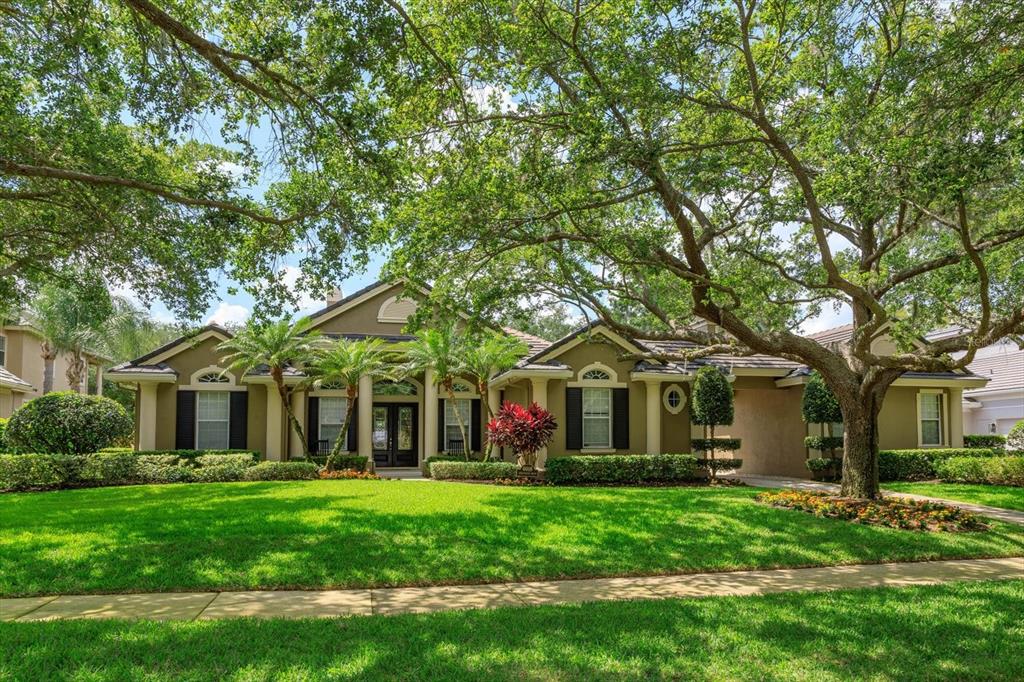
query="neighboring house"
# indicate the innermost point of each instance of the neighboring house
(602, 402)
(996, 407)
(22, 364)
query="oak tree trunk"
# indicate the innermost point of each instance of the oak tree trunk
(860, 446)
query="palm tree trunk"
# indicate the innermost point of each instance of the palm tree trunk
(343, 436)
(482, 387)
(458, 420)
(74, 372)
(48, 357)
(296, 427)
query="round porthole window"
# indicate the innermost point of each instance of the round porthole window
(674, 399)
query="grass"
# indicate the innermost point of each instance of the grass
(385, 533)
(956, 631)
(1004, 496)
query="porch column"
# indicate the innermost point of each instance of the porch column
(147, 415)
(653, 416)
(493, 396)
(295, 448)
(429, 415)
(956, 418)
(539, 395)
(99, 379)
(275, 411)
(364, 407)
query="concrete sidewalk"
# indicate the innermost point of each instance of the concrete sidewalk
(334, 603)
(1007, 515)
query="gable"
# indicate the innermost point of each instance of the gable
(376, 310)
(618, 343)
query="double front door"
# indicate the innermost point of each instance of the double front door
(394, 434)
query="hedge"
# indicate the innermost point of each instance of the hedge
(190, 455)
(425, 468)
(67, 422)
(282, 471)
(474, 471)
(991, 470)
(3, 429)
(620, 469)
(919, 465)
(985, 440)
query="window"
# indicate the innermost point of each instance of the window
(332, 418)
(930, 409)
(394, 388)
(596, 375)
(674, 399)
(461, 387)
(213, 378)
(3, 350)
(452, 435)
(597, 417)
(213, 417)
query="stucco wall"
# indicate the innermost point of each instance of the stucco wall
(24, 358)
(768, 421)
(675, 428)
(6, 403)
(362, 318)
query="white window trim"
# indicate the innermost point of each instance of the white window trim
(3, 362)
(611, 382)
(943, 418)
(231, 385)
(384, 316)
(611, 421)
(468, 446)
(227, 444)
(664, 399)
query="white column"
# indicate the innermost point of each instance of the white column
(429, 415)
(956, 418)
(364, 408)
(99, 379)
(275, 415)
(539, 395)
(295, 448)
(147, 415)
(493, 396)
(653, 416)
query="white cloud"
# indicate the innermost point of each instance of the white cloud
(829, 317)
(290, 276)
(228, 313)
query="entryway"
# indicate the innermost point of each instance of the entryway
(395, 426)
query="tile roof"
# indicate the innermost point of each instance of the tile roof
(1005, 371)
(12, 380)
(840, 334)
(131, 368)
(534, 344)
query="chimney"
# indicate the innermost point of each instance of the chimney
(334, 295)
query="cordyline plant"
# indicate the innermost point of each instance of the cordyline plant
(526, 430)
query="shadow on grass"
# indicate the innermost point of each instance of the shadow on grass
(963, 631)
(372, 534)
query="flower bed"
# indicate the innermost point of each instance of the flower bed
(905, 514)
(349, 474)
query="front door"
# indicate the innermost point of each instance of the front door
(394, 434)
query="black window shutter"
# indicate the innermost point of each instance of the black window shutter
(441, 441)
(239, 430)
(476, 428)
(574, 419)
(353, 439)
(620, 418)
(312, 424)
(185, 422)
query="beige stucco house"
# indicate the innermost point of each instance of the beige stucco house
(603, 403)
(22, 367)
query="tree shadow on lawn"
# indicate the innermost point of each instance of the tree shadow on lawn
(372, 534)
(948, 632)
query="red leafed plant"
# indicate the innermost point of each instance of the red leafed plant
(524, 429)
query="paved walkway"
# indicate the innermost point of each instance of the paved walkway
(333, 603)
(1007, 515)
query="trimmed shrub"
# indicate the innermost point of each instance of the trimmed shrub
(1015, 439)
(720, 464)
(919, 465)
(67, 423)
(993, 441)
(705, 444)
(823, 443)
(226, 459)
(191, 455)
(112, 468)
(351, 462)
(991, 470)
(281, 471)
(220, 472)
(819, 405)
(35, 472)
(3, 430)
(584, 469)
(473, 471)
(820, 464)
(425, 468)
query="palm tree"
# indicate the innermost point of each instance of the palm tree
(442, 350)
(277, 346)
(344, 362)
(71, 321)
(494, 353)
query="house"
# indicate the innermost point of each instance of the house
(997, 406)
(22, 367)
(603, 403)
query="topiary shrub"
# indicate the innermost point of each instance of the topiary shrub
(281, 471)
(820, 406)
(994, 441)
(1015, 439)
(610, 469)
(990, 470)
(716, 444)
(472, 471)
(67, 423)
(712, 406)
(823, 443)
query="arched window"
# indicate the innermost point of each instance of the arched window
(596, 375)
(462, 387)
(213, 378)
(394, 388)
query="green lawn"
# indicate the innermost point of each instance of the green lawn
(376, 533)
(1005, 496)
(958, 631)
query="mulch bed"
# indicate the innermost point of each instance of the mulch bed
(895, 513)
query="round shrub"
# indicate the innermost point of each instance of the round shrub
(3, 430)
(1015, 439)
(68, 423)
(282, 471)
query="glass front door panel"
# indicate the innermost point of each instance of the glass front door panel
(405, 428)
(380, 428)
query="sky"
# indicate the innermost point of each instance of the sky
(235, 308)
